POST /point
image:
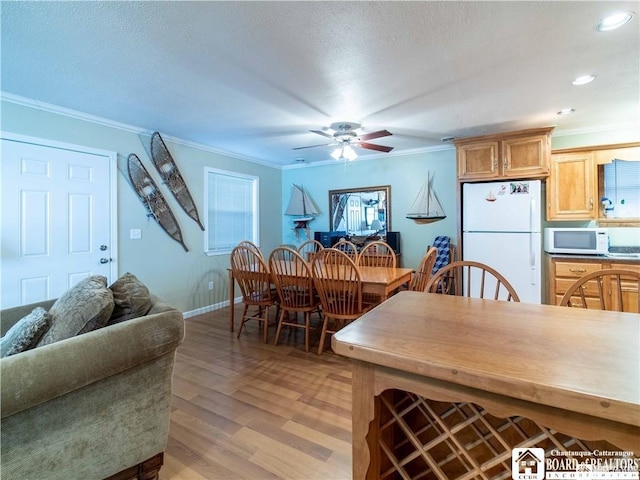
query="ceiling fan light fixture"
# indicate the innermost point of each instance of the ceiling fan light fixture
(349, 153)
(337, 153)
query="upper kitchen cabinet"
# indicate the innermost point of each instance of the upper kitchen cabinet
(522, 154)
(580, 177)
(571, 188)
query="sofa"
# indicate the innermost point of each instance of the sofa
(92, 406)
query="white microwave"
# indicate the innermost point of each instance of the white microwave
(587, 241)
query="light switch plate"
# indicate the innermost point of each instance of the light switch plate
(135, 234)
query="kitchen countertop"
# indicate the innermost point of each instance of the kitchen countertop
(595, 258)
(600, 258)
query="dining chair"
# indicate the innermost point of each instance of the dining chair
(349, 248)
(377, 254)
(250, 271)
(423, 274)
(337, 280)
(608, 289)
(471, 279)
(296, 291)
(249, 244)
(309, 248)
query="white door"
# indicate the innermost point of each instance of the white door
(56, 219)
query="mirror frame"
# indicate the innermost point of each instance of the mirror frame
(336, 195)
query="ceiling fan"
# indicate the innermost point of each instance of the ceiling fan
(345, 137)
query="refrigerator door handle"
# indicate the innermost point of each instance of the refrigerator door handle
(532, 213)
(532, 258)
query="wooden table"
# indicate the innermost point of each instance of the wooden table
(381, 281)
(572, 370)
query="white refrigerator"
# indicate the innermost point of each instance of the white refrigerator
(501, 228)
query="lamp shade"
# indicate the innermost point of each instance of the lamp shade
(376, 225)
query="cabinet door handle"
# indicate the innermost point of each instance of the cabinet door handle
(591, 202)
(495, 163)
(577, 270)
(504, 163)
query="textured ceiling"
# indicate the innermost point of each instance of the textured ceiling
(251, 78)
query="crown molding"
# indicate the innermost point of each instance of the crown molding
(87, 117)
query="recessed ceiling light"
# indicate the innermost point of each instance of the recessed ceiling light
(566, 111)
(583, 80)
(614, 21)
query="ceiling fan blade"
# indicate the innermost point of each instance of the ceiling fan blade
(313, 146)
(371, 146)
(378, 134)
(320, 132)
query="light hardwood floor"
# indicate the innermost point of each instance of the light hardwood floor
(245, 409)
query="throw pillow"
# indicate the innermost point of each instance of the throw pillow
(131, 298)
(84, 307)
(25, 334)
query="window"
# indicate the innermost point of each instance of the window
(231, 203)
(622, 188)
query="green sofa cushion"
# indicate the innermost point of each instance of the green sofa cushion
(131, 299)
(25, 334)
(84, 307)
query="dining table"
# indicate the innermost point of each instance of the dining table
(458, 388)
(380, 281)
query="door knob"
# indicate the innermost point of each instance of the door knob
(103, 247)
(105, 260)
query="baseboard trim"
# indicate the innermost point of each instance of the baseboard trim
(210, 308)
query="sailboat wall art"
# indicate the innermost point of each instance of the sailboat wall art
(426, 208)
(301, 206)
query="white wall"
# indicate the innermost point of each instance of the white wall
(404, 173)
(178, 277)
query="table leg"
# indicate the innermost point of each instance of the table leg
(365, 458)
(231, 300)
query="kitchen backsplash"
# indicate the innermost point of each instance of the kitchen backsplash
(624, 236)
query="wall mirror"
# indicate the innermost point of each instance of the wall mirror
(360, 211)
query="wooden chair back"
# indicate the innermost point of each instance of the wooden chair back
(253, 246)
(349, 248)
(472, 279)
(422, 275)
(309, 248)
(377, 254)
(337, 280)
(609, 289)
(292, 277)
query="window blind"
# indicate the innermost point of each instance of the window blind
(232, 210)
(622, 187)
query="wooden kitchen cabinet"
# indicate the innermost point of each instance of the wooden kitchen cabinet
(522, 154)
(572, 187)
(564, 272)
(576, 181)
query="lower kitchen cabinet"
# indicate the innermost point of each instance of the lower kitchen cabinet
(563, 272)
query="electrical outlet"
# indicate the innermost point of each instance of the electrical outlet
(210, 285)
